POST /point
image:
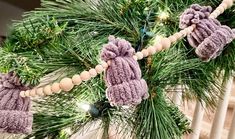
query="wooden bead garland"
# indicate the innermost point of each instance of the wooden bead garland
(66, 84)
(85, 75)
(55, 88)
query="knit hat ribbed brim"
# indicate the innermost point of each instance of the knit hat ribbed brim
(12, 121)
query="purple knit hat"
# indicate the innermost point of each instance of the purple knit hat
(209, 37)
(123, 76)
(14, 110)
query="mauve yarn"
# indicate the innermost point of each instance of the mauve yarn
(14, 110)
(209, 37)
(123, 76)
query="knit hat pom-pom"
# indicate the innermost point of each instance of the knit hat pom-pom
(193, 15)
(115, 48)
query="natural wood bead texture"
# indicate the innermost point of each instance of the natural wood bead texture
(47, 90)
(85, 75)
(139, 55)
(145, 52)
(55, 88)
(166, 43)
(66, 84)
(99, 69)
(76, 79)
(32, 93)
(93, 72)
(39, 92)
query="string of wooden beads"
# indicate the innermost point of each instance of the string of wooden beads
(221, 8)
(67, 84)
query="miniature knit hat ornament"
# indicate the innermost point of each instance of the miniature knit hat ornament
(209, 37)
(14, 110)
(123, 76)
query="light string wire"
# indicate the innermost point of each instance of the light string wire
(66, 84)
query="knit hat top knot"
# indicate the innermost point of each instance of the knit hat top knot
(14, 110)
(194, 15)
(116, 47)
(123, 76)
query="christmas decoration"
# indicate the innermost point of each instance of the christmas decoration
(52, 44)
(209, 37)
(123, 76)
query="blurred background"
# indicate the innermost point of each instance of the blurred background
(13, 10)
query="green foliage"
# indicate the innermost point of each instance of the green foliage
(65, 37)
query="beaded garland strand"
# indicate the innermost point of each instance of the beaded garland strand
(66, 84)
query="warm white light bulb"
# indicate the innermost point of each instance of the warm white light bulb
(163, 15)
(84, 106)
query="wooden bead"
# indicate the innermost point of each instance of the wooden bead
(47, 90)
(39, 92)
(32, 93)
(151, 50)
(99, 68)
(85, 76)
(217, 12)
(104, 64)
(66, 84)
(22, 93)
(135, 57)
(172, 39)
(178, 35)
(229, 3)
(76, 79)
(183, 32)
(93, 72)
(213, 15)
(139, 55)
(158, 47)
(145, 52)
(166, 43)
(188, 30)
(224, 5)
(221, 9)
(55, 87)
(27, 93)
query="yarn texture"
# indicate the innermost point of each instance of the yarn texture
(14, 110)
(209, 37)
(123, 76)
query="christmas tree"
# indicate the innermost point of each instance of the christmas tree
(65, 37)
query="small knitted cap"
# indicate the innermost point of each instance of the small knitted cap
(14, 110)
(209, 37)
(123, 76)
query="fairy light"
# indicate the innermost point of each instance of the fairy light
(163, 15)
(85, 106)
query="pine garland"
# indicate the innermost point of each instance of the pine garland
(65, 37)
